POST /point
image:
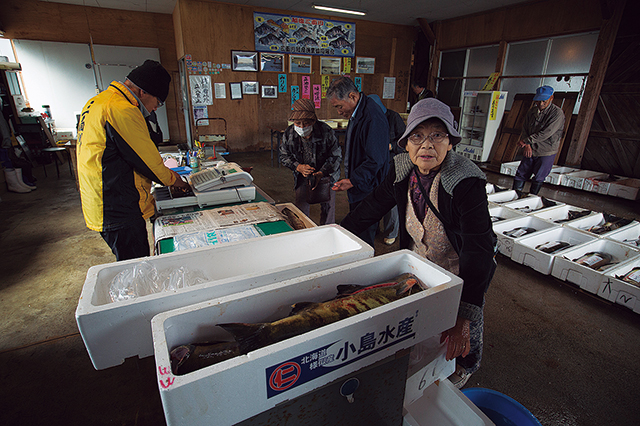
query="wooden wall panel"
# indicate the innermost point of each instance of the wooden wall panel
(537, 19)
(44, 21)
(211, 30)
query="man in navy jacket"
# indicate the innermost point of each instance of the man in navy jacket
(366, 158)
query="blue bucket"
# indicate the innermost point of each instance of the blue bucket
(501, 409)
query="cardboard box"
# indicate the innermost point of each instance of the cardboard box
(557, 172)
(526, 253)
(509, 168)
(616, 290)
(505, 242)
(586, 223)
(587, 278)
(113, 331)
(626, 188)
(532, 203)
(271, 375)
(576, 179)
(444, 405)
(629, 235)
(504, 213)
(503, 196)
(560, 214)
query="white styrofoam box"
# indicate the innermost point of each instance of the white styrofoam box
(505, 242)
(619, 291)
(585, 223)
(504, 212)
(444, 405)
(627, 188)
(598, 184)
(509, 168)
(503, 196)
(576, 179)
(589, 279)
(629, 235)
(427, 364)
(530, 204)
(276, 373)
(559, 213)
(555, 175)
(113, 331)
(525, 252)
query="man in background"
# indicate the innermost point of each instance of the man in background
(540, 139)
(310, 148)
(117, 160)
(366, 157)
(420, 90)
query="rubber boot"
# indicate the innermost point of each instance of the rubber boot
(535, 187)
(518, 185)
(12, 182)
(21, 180)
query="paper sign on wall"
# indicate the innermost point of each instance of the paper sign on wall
(325, 85)
(220, 90)
(295, 94)
(317, 95)
(282, 83)
(389, 88)
(306, 87)
(200, 112)
(346, 67)
(201, 90)
(358, 83)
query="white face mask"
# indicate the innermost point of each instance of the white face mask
(303, 131)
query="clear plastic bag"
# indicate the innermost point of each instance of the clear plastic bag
(143, 279)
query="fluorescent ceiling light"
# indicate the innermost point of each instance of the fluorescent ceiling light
(339, 10)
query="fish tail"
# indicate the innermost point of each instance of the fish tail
(406, 286)
(249, 336)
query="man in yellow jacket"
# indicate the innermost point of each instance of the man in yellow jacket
(117, 160)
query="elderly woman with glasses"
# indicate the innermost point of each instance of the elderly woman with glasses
(444, 217)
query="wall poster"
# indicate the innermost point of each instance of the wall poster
(297, 34)
(201, 90)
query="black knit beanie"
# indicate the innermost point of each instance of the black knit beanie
(152, 78)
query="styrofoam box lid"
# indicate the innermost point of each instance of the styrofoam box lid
(585, 223)
(210, 395)
(505, 212)
(502, 197)
(581, 174)
(532, 203)
(587, 278)
(619, 291)
(629, 235)
(113, 331)
(444, 405)
(559, 213)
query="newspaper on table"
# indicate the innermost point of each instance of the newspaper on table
(209, 220)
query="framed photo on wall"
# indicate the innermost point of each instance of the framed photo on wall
(330, 65)
(300, 64)
(269, 91)
(244, 61)
(250, 88)
(236, 90)
(272, 62)
(365, 65)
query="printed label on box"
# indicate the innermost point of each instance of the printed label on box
(320, 361)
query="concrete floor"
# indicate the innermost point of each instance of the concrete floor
(569, 357)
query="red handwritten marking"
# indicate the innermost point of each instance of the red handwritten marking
(164, 370)
(170, 381)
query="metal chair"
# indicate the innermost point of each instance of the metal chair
(53, 152)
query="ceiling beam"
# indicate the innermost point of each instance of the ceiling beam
(428, 32)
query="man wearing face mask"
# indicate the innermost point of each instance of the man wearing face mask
(310, 148)
(540, 139)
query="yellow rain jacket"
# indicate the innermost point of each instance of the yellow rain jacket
(117, 161)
